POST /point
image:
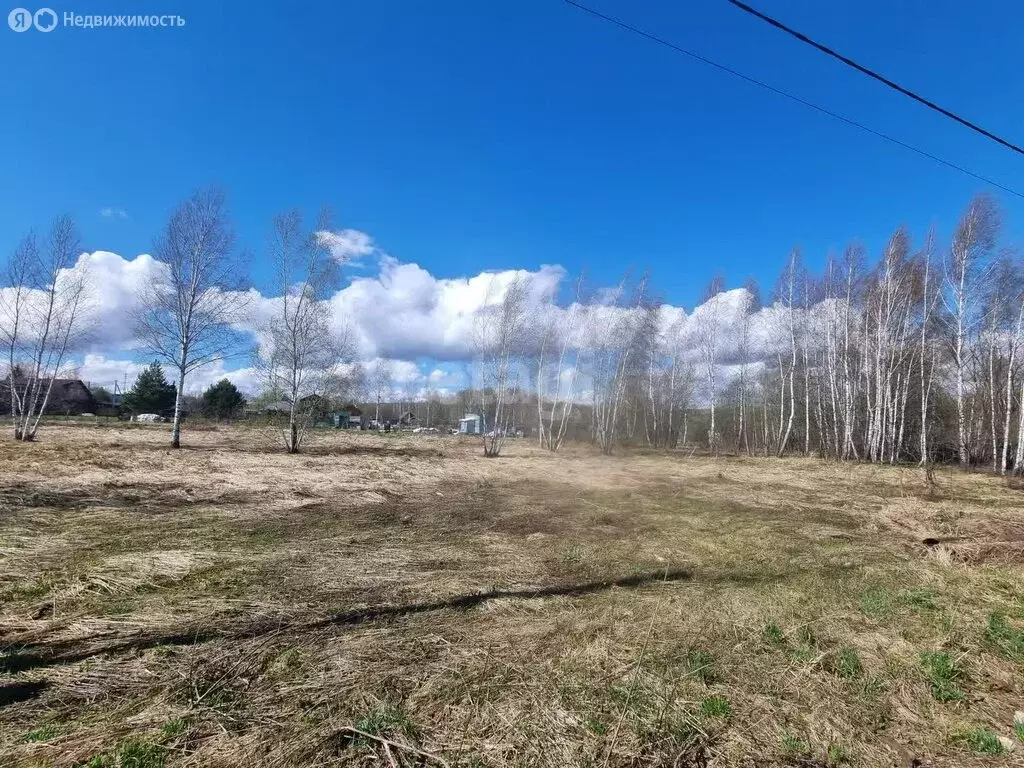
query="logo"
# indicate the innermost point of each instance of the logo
(20, 20)
(45, 19)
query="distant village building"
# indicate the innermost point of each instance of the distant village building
(68, 397)
(349, 417)
(472, 424)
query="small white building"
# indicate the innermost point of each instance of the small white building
(472, 424)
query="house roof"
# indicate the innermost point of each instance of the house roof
(281, 406)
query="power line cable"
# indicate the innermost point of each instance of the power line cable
(790, 96)
(880, 78)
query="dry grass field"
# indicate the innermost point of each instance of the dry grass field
(402, 601)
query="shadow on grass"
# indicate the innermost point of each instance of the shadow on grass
(35, 655)
(12, 693)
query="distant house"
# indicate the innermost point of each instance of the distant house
(472, 424)
(349, 417)
(69, 397)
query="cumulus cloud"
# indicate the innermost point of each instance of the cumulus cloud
(100, 370)
(346, 245)
(422, 325)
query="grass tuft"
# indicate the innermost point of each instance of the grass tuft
(134, 753)
(773, 635)
(876, 602)
(700, 665)
(943, 674)
(715, 706)
(1007, 640)
(43, 733)
(836, 756)
(847, 663)
(794, 747)
(387, 719)
(981, 740)
(174, 728)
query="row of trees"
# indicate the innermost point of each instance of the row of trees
(153, 393)
(191, 315)
(916, 356)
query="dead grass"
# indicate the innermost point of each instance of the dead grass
(399, 601)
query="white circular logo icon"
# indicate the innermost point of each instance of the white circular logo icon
(20, 20)
(45, 19)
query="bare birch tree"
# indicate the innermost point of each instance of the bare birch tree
(708, 321)
(380, 385)
(187, 316)
(967, 266)
(500, 327)
(43, 316)
(301, 349)
(556, 375)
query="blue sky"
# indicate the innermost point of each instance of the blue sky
(466, 136)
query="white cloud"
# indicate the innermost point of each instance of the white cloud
(113, 213)
(346, 245)
(407, 316)
(99, 370)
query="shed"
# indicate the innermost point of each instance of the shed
(472, 424)
(354, 418)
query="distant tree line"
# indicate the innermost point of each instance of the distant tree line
(916, 356)
(913, 356)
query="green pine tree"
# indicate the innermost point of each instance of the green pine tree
(222, 401)
(152, 393)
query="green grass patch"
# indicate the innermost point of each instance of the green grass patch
(133, 753)
(1004, 637)
(174, 728)
(943, 675)
(846, 663)
(773, 636)
(715, 706)
(876, 602)
(700, 665)
(387, 719)
(836, 756)
(980, 740)
(794, 747)
(43, 733)
(919, 599)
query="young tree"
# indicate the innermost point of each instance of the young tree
(707, 326)
(556, 376)
(622, 331)
(222, 400)
(43, 315)
(301, 351)
(786, 294)
(380, 385)
(151, 393)
(967, 268)
(500, 331)
(188, 313)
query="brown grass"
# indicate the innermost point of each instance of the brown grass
(396, 600)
